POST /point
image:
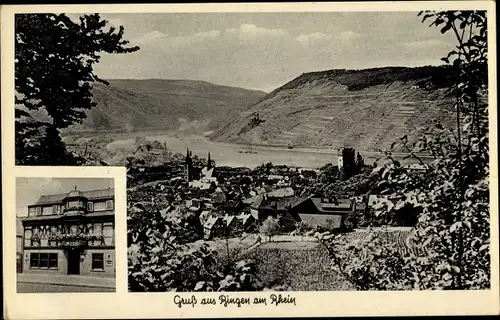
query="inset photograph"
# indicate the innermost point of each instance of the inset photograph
(65, 235)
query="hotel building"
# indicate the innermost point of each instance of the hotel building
(71, 233)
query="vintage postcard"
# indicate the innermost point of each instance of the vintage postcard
(230, 160)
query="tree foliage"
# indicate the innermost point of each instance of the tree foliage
(165, 255)
(270, 227)
(54, 59)
(452, 193)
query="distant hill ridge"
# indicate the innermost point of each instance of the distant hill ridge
(367, 109)
(162, 104)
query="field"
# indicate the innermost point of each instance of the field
(305, 265)
(302, 266)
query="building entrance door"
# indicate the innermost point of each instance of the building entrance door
(73, 261)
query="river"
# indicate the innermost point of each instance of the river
(226, 154)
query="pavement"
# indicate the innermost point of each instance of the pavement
(55, 288)
(67, 280)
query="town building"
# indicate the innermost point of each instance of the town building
(71, 233)
(214, 227)
(248, 221)
(323, 212)
(233, 207)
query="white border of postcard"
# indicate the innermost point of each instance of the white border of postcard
(160, 305)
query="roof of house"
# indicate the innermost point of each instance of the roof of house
(228, 219)
(249, 200)
(91, 195)
(255, 215)
(283, 192)
(257, 202)
(245, 217)
(280, 203)
(260, 190)
(232, 204)
(210, 223)
(204, 214)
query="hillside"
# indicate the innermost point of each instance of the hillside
(366, 109)
(128, 105)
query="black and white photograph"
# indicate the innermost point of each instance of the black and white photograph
(281, 151)
(65, 235)
(271, 158)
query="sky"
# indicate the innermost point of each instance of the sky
(29, 190)
(266, 50)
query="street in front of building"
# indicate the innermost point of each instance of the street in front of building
(27, 283)
(43, 287)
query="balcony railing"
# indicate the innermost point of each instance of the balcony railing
(71, 240)
(72, 243)
(80, 207)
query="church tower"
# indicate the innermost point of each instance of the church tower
(188, 166)
(209, 162)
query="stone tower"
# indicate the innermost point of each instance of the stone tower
(340, 158)
(188, 166)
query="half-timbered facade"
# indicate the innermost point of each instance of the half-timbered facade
(71, 233)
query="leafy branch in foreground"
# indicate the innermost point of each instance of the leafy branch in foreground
(452, 194)
(165, 255)
(54, 60)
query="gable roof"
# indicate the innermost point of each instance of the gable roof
(245, 217)
(228, 220)
(283, 192)
(91, 195)
(232, 204)
(280, 203)
(210, 223)
(204, 215)
(257, 202)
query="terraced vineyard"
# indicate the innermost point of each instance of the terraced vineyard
(323, 110)
(400, 238)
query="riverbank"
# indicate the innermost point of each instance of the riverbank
(237, 155)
